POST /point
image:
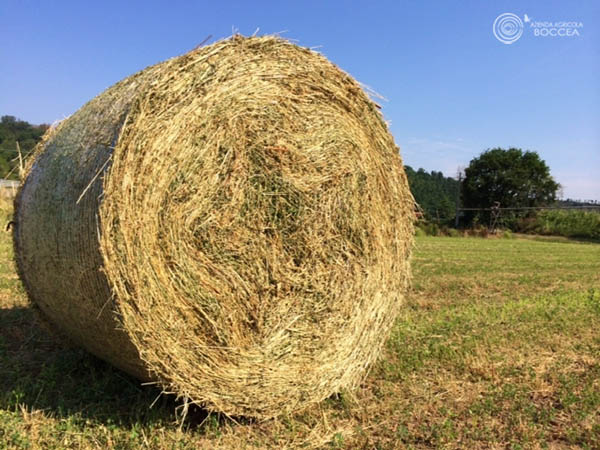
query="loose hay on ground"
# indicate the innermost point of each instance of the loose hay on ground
(234, 224)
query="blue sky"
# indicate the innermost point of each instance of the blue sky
(452, 89)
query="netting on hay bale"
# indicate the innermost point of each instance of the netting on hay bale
(233, 223)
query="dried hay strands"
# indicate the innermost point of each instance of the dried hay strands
(234, 223)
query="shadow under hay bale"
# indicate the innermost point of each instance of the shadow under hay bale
(234, 223)
(38, 373)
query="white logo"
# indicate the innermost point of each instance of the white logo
(508, 28)
(556, 29)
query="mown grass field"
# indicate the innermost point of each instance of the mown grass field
(498, 347)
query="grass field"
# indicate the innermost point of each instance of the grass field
(498, 347)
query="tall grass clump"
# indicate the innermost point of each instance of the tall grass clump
(579, 224)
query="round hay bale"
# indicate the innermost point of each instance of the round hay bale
(234, 224)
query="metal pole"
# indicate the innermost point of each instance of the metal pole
(458, 199)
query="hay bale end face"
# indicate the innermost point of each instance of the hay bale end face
(234, 223)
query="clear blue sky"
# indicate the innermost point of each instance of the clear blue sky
(453, 89)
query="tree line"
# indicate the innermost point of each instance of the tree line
(510, 179)
(13, 130)
(434, 193)
(508, 189)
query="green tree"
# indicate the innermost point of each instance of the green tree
(13, 130)
(434, 193)
(512, 178)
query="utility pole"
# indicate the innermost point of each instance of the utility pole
(458, 199)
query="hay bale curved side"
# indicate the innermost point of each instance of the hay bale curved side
(56, 240)
(255, 227)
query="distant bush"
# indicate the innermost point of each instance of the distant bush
(482, 232)
(425, 228)
(433, 229)
(430, 228)
(420, 232)
(453, 232)
(567, 223)
(582, 224)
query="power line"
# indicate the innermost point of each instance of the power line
(523, 208)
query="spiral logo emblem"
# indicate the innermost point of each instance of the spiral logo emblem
(507, 28)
